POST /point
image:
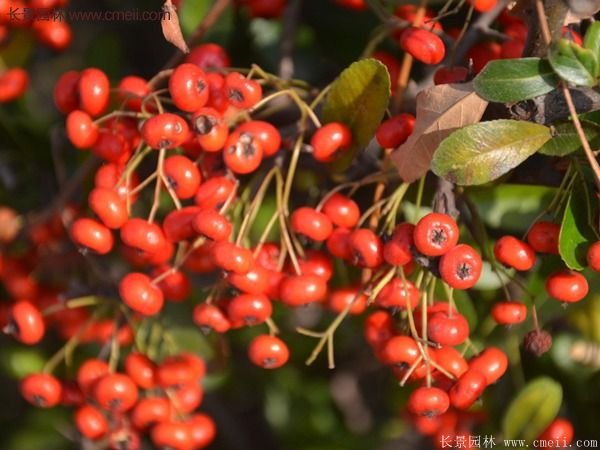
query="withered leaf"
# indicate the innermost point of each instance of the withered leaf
(171, 28)
(440, 111)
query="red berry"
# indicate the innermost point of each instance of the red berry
(112, 147)
(265, 133)
(242, 92)
(188, 87)
(330, 139)
(81, 130)
(449, 75)
(428, 401)
(311, 223)
(94, 90)
(13, 83)
(214, 192)
(560, 431)
(143, 235)
(467, 389)
(255, 281)
(116, 392)
(208, 56)
(461, 267)
(543, 237)
(54, 34)
(182, 176)
(342, 210)
(482, 53)
(447, 329)
(165, 130)
(92, 235)
(66, 94)
(435, 234)
(567, 286)
(150, 411)
(398, 294)
(316, 262)
(394, 131)
(89, 373)
(210, 317)
(231, 257)
(187, 398)
(175, 286)
(132, 90)
(268, 352)
(401, 351)
(25, 323)
(300, 290)
(347, 297)
(379, 328)
(338, 243)
(593, 256)
(397, 250)
(203, 430)
(172, 435)
(109, 207)
(483, 5)
(140, 369)
(422, 45)
(509, 313)
(242, 152)
(367, 248)
(138, 292)
(211, 130)
(90, 422)
(177, 225)
(249, 310)
(41, 390)
(515, 253)
(450, 360)
(492, 362)
(213, 225)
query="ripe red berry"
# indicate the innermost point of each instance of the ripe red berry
(208, 56)
(213, 225)
(395, 131)
(90, 422)
(311, 223)
(41, 390)
(397, 250)
(110, 208)
(401, 351)
(338, 243)
(560, 431)
(232, 258)
(567, 286)
(109, 176)
(483, 5)
(428, 401)
(249, 310)
(138, 292)
(182, 176)
(267, 134)
(214, 192)
(81, 130)
(378, 328)
(175, 285)
(116, 392)
(203, 430)
(482, 53)
(448, 75)
(435, 234)
(448, 329)
(25, 323)
(461, 267)
(188, 87)
(515, 253)
(94, 90)
(367, 248)
(132, 90)
(255, 281)
(165, 130)
(467, 389)
(330, 139)
(13, 83)
(342, 210)
(242, 92)
(593, 256)
(449, 359)
(177, 225)
(242, 152)
(211, 130)
(509, 313)
(112, 147)
(398, 294)
(143, 235)
(423, 45)
(150, 411)
(210, 317)
(492, 362)
(187, 398)
(65, 93)
(543, 237)
(316, 262)
(268, 352)
(300, 290)
(172, 435)
(91, 234)
(140, 369)
(345, 297)
(54, 34)
(89, 373)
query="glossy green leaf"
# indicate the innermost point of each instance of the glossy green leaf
(565, 139)
(485, 151)
(532, 410)
(574, 64)
(512, 80)
(358, 98)
(591, 41)
(575, 231)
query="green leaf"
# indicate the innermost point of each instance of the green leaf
(358, 98)
(591, 41)
(513, 80)
(532, 410)
(574, 64)
(575, 231)
(485, 151)
(565, 139)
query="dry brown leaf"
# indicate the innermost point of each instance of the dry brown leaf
(171, 28)
(440, 110)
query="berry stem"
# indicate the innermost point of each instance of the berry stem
(158, 185)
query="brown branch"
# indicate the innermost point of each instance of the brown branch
(206, 24)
